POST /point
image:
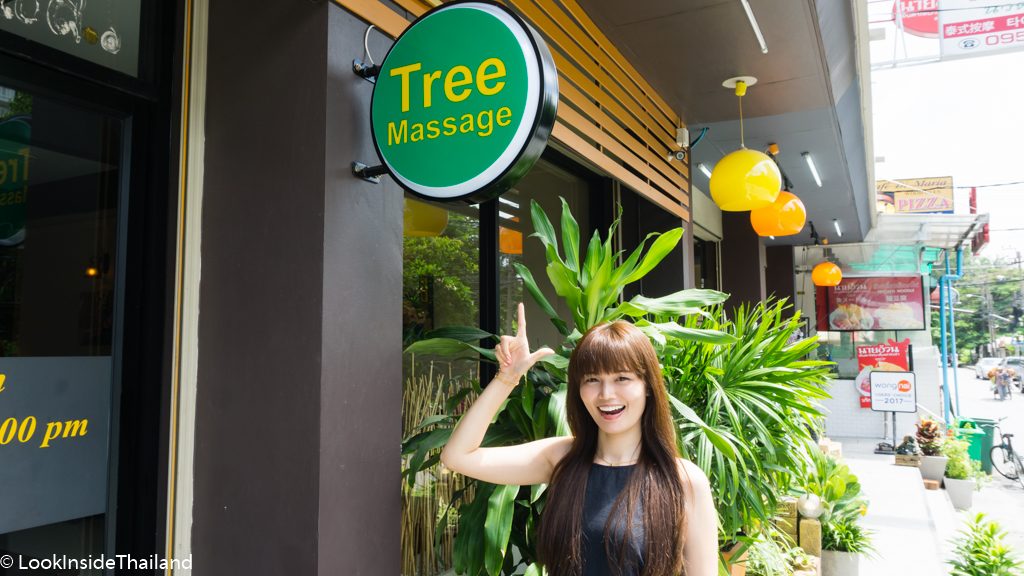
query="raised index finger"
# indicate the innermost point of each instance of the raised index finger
(521, 329)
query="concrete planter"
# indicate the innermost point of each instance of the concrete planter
(961, 493)
(839, 563)
(933, 467)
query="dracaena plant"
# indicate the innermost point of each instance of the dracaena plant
(498, 517)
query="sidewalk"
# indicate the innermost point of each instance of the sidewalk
(911, 525)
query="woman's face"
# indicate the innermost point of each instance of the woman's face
(616, 401)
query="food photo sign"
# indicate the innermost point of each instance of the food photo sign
(891, 356)
(872, 303)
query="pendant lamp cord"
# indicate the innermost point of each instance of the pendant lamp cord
(742, 143)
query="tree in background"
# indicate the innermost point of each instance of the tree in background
(990, 299)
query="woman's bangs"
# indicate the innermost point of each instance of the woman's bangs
(608, 352)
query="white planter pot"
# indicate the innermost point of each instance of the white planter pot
(961, 493)
(839, 563)
(933, 467)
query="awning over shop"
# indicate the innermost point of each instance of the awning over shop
(899, 243)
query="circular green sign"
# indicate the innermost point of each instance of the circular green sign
(464, 102)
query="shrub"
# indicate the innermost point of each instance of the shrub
(960, 466)
(929, 437)
(980, 551)
(845, 535)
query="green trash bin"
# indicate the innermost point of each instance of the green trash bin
(979, 433)
(988, 426)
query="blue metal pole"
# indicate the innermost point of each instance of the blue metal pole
(945, 288)
(942, 346)
(952, 328)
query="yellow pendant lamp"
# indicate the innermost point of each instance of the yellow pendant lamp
(745, 179)
(784, 217)
(423, 220)
(826, 274)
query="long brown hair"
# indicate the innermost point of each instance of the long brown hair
(654, 483)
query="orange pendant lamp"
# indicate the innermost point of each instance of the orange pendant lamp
(826, 274)
(423, 220)
(745, 179)
(784, 217)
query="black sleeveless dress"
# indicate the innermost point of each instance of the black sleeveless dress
(604, 483)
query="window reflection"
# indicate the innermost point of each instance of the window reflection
(59, 191)
(544, 185)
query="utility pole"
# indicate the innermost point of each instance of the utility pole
(1018, 303)
(988, 318)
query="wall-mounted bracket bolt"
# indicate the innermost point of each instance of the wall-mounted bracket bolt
(369, 173)
(364, 71)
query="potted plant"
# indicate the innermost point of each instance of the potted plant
(843, 541)
(929, 438)
(980, 549)
(963, 475)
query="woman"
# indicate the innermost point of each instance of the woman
(620, 467)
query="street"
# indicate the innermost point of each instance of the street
(1001, 499)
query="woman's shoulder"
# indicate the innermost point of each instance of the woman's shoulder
(556, 448)
(692, 474)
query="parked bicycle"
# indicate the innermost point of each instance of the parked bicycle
(1005, 460)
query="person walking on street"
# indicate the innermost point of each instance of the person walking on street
(1003, 383)
(621, 500)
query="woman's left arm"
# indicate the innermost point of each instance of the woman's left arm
(700, 553)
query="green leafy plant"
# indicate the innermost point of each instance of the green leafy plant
(768, 556)
(981, 551)
(498, 517)
(757, 400)
(959, 465)
(800, 560)
(929, 437)
(837, 487)
(744, 395)
(845, 535)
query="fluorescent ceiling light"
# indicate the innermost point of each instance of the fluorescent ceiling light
(814, 169)
(753, 24)
(836, 224)
(509, 202)
(505, 215)
(704, 169)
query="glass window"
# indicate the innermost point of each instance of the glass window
(59, 189)
(544, 184)
(105, 32)
(440, 268)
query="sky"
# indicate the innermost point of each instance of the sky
(962, 118)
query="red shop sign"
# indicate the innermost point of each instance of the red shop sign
(890, 356)
(920, 17)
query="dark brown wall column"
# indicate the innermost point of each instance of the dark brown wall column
(299, 384)
(743, 260)
(779, 273)
(361, 400)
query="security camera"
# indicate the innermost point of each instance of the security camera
(677, 155)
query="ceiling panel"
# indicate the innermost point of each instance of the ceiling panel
(685, 49)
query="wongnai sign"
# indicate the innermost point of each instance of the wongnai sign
(464, 102)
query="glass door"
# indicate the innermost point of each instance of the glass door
(61, 181)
